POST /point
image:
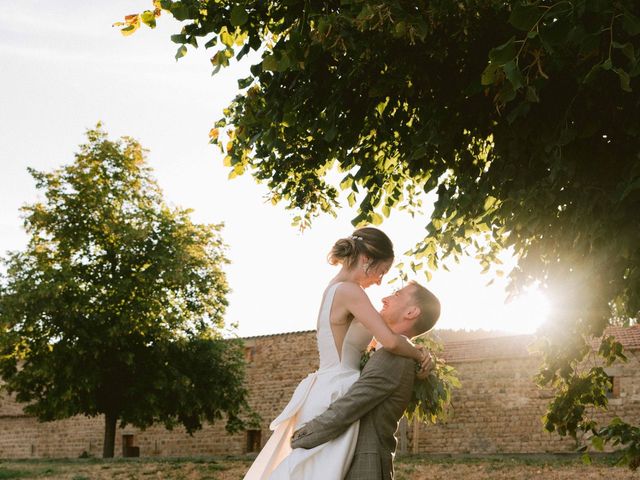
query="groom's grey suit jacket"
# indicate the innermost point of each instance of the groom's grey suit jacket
(378, 398)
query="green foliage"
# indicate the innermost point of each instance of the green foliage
(619, 432)
(9, 473)
(116, 305)
(520, 116)
(431, 397)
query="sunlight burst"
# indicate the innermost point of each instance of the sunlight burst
(525, 313)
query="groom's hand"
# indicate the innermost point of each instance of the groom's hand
(426, 368)
(297, 437)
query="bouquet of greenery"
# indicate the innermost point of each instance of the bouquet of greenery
(432, 395)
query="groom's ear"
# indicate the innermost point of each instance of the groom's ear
(413, 312)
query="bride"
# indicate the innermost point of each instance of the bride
(347, 321)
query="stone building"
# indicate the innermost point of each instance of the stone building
(497, 410)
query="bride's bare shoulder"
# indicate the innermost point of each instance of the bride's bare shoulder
(349, 290)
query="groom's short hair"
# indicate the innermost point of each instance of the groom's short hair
(429, 306)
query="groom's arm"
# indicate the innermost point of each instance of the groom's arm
(380, 377)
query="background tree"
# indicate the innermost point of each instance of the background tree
(116, 306)
(521, 116)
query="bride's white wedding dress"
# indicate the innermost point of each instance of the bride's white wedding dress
(337, 372)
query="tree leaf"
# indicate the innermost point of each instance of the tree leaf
(593, 72)
(245, 82)
(270, 63)
(489, 202)
(524, 17)
(631, 23)
(597, 442)
(227, 38)
(490, 74)
(346, 182)
(330, 134)
(513, 74)
(532, 95)
(181, 52)
(179, 11)
(376, 218)
(503, 53)
(625, 80)
(126, 31)
(239, 16)
(148, 18)
(179, 38)
(506, 94)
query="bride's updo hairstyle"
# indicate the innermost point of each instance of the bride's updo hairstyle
(367, 241)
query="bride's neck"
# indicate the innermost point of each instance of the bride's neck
(348, 275)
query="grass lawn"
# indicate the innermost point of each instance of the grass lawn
(407, 468)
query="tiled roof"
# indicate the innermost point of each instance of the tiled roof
(498, 348)
(297, 332)
(629, 337)
(518, 346)
(488, 348)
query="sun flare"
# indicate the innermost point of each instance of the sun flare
(525, 313)
(470, 303)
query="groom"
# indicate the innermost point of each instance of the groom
(381, 394)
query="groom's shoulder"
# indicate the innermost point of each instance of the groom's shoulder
(387, 353)
(386, 357)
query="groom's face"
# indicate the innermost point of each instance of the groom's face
(396, 306)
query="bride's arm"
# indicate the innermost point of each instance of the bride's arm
(358, 303)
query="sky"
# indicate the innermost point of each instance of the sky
(65, 68)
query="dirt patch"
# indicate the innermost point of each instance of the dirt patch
(519, 472)
(411, 468)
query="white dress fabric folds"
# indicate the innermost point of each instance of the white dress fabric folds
(331, 460)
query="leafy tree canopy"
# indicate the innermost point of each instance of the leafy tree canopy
(521, 116)
(116, 305)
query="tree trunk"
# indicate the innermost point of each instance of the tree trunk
(110, 420)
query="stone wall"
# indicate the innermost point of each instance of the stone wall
(497, 410)
(276, 364)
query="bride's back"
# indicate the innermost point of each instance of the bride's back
(341, 340)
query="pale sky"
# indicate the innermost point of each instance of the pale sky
(64, 68)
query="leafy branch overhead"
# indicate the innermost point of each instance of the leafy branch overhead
(520, 117)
